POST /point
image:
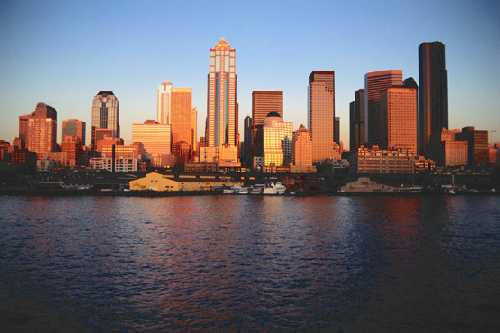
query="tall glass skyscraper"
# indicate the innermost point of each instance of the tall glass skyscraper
(433, 98)
(222, 105)
(105, 115)
(321, 113)
(163, 103)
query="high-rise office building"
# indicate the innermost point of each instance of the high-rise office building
(163, 102)
(105, 115)
(477, 145)
(301, 150)
(321, 113)
(264, 102)
(222, 95)
(247, 151)
(194, 129)
(155, 138)
(433, 98)
(71, 145)
(221, 131)
(375, 84)
(398, 119)
(40, 130)
(181, 116)
(277, 141)
(336, 130)
(357, 133)
(23, 129)
(74, 127)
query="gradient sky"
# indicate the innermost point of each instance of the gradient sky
(63, 52)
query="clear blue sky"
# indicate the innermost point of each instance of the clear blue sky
(63, 52)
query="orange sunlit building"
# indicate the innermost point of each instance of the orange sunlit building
(398, 119)
(302, 151)
(39, 130)
(265, 101)
(155, 137)
(321, 114)
(454, 151)
(376, 83)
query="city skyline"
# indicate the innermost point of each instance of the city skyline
(471, 72)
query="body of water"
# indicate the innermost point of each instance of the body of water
(250, 263)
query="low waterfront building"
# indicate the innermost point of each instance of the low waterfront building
(158, 182)
(380, 161)
(365, 185)
(120, 164)
(454, 151)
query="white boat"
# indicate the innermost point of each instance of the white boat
(275, 189)
(242, 190)
(228, 191)
(257, 189)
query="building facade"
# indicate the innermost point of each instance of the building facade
(357, 121)
(375, 84)
(454, 151)
(155, 137)
(433, 98)
(39, 130)
(163, 102)
(380, 161)
(301, 151)
(181, 119)
(477, 145)
(265, 101)
(247, 151)
(222, 109)
(277, 141)
(74, 127)
(398, 119)
(321, 113)
(105, 115)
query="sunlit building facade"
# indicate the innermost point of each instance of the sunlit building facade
(74, 127)
(105, 115)
(40, 130)
(155, 137)
(301, 151)
(277, 140)
(163, 103)
(222, 108)
(181, 120)
(265, 101)
(321, 113)
(398, 117)
(375, 84)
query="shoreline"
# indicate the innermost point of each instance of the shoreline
(153, 194)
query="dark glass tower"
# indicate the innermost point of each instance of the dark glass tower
(433, 99)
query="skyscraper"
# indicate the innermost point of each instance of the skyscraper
(74, 127)
(375, 84)
(277, 140)
(398, 117)
(264, 102)
(105, 114)
(357, 130)
(194, 129)
(336, 130)
(180, 115)
(301, 150)
(221, 133)
(163, 102)
(321, 113)
(155, 137)
(433, 98)
(247, 153)
(222, 95)
(41, 130)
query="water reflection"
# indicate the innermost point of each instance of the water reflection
(248, 262)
